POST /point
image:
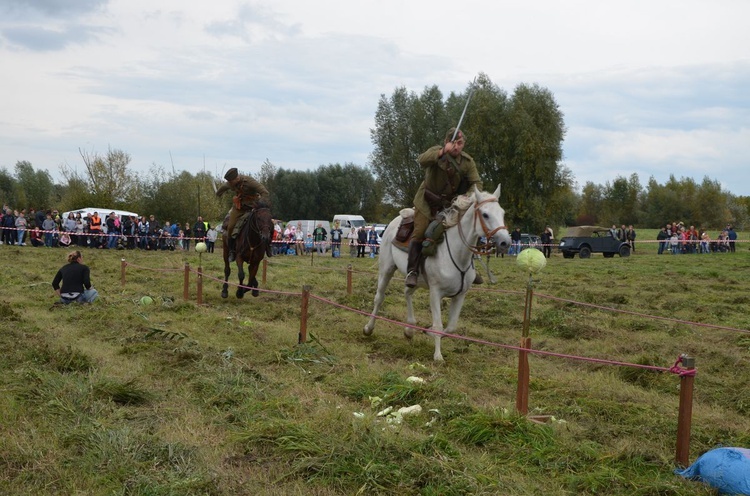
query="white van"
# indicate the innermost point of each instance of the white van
(308, 226)
(347, 221)
(103, 213)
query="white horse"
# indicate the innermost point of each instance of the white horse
(450, 271)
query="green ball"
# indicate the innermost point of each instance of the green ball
(201, 247)
(146, 300)
(531, 260)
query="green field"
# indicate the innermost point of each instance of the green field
(174, 398)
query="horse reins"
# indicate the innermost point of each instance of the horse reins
(255, 228)
(487, 233)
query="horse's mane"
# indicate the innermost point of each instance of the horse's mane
(460, 205)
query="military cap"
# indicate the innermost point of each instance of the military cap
(231, 174)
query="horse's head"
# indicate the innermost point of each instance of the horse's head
(491, 219)
(263, 221)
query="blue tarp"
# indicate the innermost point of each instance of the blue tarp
(726, 469)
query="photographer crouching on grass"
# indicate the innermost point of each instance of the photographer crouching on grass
(76, 281)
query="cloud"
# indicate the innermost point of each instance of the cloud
(61, 9)
(43, 39)
(49, 25)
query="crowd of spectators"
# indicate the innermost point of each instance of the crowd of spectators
(290, 239)
(48, 228)
(676, 239)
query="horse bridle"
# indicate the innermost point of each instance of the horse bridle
(488, 234)
(255, 228)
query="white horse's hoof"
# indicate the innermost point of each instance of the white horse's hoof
(408, 332)
(438, 357)
(367, 330)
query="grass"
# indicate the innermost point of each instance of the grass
(175, 398)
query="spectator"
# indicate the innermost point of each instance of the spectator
(174, 230)
(76, 281)
(630, 236)
(8, 224)
(309, 244)
(211, 236)
(69, 224)
(113, 230)
(299, 240)
(546, 240)
(21, 225)
(39, 217)
(81, 238)
(705, 243)
(36, 237)
(199, 230)
(319, 238)
(731, 237)
(95, 227)
(674, 242)
(662, 237)
(372, 240)
(336, 236)
(288, 239)
(276, 238)
(129, 226)
(143, 229)
(188, 232)
(361, 242)
(352, 237)
(49, 227)
(515, 242)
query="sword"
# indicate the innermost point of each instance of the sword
(471, 92)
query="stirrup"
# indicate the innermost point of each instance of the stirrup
(411, 279)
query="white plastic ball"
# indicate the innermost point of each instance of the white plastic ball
(201, 247)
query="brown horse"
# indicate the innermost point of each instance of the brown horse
(252, 241)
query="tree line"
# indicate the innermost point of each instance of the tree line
(516, 140)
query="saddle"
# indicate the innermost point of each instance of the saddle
(241, 221)
(434, 234)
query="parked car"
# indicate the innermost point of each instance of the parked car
(585, 240)
(530, 241)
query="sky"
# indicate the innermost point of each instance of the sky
(653, 88)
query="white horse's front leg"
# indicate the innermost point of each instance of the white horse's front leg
(410, 319)
(383, 280)
(454, 311)
(437, 322)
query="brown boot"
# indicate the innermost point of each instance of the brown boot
(412, 265)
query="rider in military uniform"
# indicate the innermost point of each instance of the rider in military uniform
(248, 192)
(449, 172)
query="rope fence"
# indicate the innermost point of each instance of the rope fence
(683, 367)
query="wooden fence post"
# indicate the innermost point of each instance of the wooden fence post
(199, 285)
(522, 388)
(685, 416)
(303, 315)
(186, 285)
(265, 269)
(349, 279)
(123, 264)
